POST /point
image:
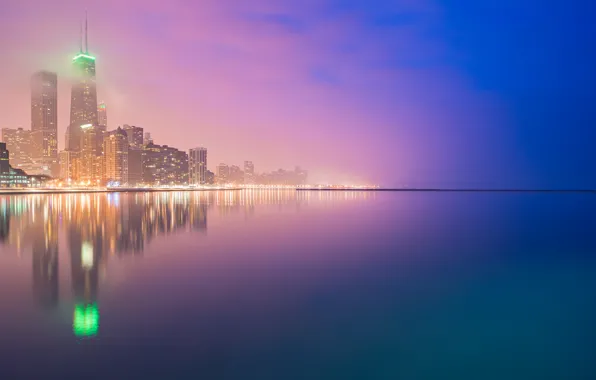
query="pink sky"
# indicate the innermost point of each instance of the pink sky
(274, 82)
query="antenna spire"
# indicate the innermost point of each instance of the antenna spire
(81, 38)
(86, 43)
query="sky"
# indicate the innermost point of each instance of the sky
(458, 93)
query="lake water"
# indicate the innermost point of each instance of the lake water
(298, 285)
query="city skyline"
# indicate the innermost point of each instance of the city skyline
(424, 106)
(96, 156)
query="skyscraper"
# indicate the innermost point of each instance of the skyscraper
(197, 164)
(83, 102)
(236, 176)
(115, 150)
(223, 173)
(164, 165)
(90, 157)
(249, 172)
(102, 115)
(44, 121)
(135, 136)
(4, 155)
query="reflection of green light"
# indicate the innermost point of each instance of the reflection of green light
(85, 320)
(85, 126)
(84, 56)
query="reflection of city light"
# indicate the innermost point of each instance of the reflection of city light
(87, 255)
(85, 321)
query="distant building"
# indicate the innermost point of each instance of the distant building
(300, 176)
(197, 165)
(249, 172)
(209, 177)
(44, 122)
(223, 173)
(283, 177)
(115, 151)
(135, 136)
(164, 165)
(102, 115)
(236, 175)
(19, 142)
(147, 139)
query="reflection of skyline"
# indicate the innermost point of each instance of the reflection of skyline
(96, 227)
(44, 254)
(120, 223)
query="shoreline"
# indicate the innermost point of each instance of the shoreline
(92, 191)
(34, 191)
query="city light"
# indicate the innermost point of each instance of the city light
(85, 321)
(82, 55)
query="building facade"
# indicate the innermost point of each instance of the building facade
(135, 136)
(197, 165)
(90, 159)
(249, 173)
(115, 154)
(19, 141)
(67, 165)
(135, 166)
(4, 159)
(164, 165)
(223, 173)
(44, 122)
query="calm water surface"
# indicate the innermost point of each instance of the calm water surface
(298, 285)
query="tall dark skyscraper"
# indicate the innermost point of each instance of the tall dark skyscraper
(83, 101)
(44, 122)
(4, 159)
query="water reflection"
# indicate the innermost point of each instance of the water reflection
(88, 230)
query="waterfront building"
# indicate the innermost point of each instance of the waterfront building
(115, 154)
(223, 173)
(209, 177)
(4, 159)
(164, 165)
(197, 165)
(236, 175)
(90, 159)
(249, 173)
(19, 142)
(67, 165)
(135, 166)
